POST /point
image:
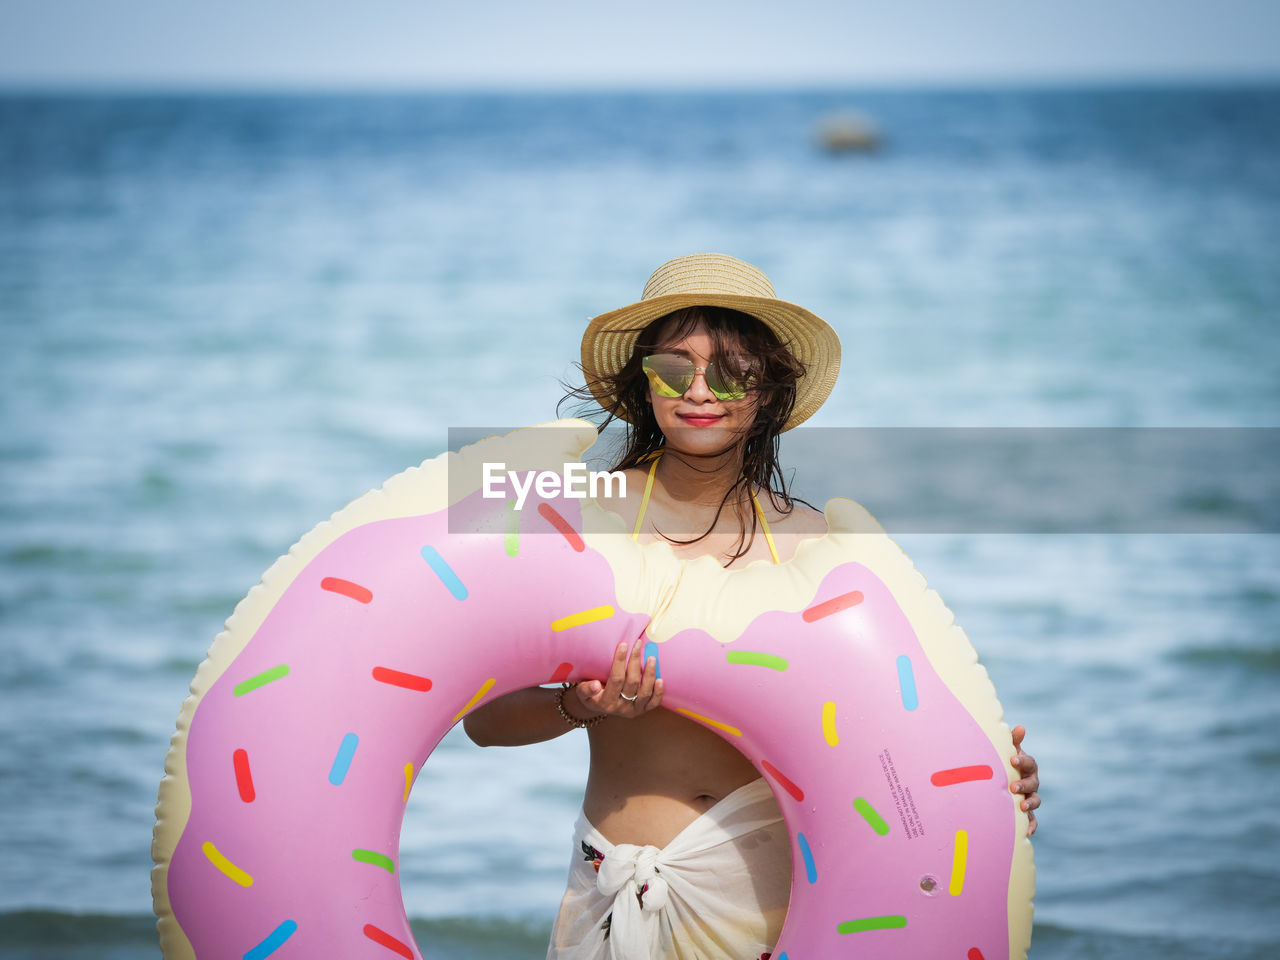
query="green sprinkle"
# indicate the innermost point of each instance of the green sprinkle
(513, 529)
(869, 814)
(261, 680)
(871, 923)
(753, 659)
(377, 859)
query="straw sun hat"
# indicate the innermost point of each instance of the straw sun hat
(715, 280)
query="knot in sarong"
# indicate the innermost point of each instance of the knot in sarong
(719, 888)
(635, 870)
(630, 875)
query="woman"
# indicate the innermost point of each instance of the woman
(681, 850)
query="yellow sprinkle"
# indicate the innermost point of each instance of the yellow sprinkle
(829, 723)
(581, 617)
(733, 731)
(484, 688)
(408, 779)
(958, 860)
(226, 866)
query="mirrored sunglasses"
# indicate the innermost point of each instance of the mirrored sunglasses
(671, 375)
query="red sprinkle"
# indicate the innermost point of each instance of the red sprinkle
(410, 681)
(945, 778)
(384, 939)
(244, 779)
(561, 524)
(562, 673)
(787, 785)
(975, 954)
(834, 605)
(347, 589)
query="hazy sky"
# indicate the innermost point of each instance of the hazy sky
(337, 43)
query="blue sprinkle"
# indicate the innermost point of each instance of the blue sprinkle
(651, 650)
(810, 868)
(273, 942)
(444, 572)
(342, 762)
(907, 680)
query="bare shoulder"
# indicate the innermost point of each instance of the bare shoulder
(791, 529)
(626, 502)
(802, 520)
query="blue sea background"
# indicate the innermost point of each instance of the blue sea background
(223, 317)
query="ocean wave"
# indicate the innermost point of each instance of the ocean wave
(1066, 941)
(50, 934)
(41, 934)
(1260, 658)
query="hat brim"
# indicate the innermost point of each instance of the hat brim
(610, 340)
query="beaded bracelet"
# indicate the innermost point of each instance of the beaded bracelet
(570, 718)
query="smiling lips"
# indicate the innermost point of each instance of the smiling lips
(700, 419)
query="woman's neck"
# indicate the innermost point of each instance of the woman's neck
(700, 480)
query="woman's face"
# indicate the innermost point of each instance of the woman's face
(698, 422)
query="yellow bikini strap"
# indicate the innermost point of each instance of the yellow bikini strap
(644, 501)
(764, 525)
(648, 490)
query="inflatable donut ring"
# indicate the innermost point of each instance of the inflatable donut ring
(839, 674)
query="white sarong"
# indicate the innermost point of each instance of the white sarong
(718, 891)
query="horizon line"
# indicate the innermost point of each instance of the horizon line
(319, 86)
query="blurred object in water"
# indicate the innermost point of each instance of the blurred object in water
(848, 131)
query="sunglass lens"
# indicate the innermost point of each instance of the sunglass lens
(670, 375)
(724, 387)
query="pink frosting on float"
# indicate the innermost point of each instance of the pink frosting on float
(327, 743)
(885, 754)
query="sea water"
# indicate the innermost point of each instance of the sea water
(223, 317)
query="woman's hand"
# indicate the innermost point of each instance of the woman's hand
(1028, 786)
(631, 689)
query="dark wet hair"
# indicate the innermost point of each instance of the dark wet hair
(740, 343)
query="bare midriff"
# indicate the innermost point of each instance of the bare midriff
(653, 776)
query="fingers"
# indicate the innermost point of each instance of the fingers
(1029, 789)
(655, 701)
(605, 697)
(590, 693)
(649, 696)
(618, 670)
(642, 684)
(632, 687)
(1026, 765)
(1028, 785)
(635, 672)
